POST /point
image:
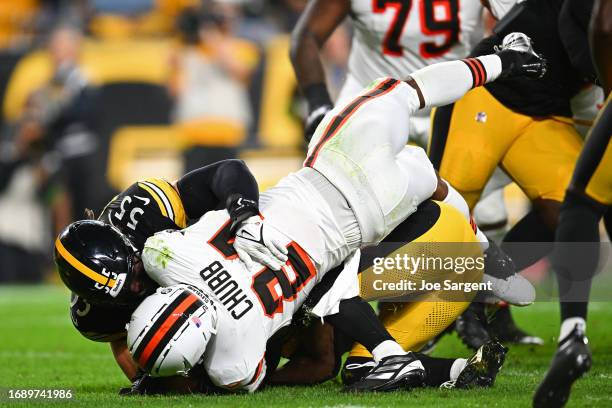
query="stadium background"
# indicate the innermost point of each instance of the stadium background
(154, 102)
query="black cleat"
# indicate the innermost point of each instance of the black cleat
(482, 368)
(571, 361)
(355, 368)
(503, 328)
(393, 373)
(471, 326)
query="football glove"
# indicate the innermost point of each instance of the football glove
(253, 244)
(314, 119)
(519, 59)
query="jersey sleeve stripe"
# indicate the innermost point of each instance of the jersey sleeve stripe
(162, 196)
(173, 198)
(476, 80)
(258, 371)
(482, 69)
(340, 119)
(84, 269)
(157, 199)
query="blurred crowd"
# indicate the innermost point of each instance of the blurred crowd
(96, 93)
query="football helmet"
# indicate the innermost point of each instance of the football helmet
(168, 332)
(95, 261)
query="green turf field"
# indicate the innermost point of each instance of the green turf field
(40, 349)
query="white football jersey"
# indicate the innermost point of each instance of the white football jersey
(252, 304)
(395, 38)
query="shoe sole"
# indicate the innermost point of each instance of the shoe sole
(482, 373)
(414, 379)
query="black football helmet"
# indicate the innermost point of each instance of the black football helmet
(96, 262)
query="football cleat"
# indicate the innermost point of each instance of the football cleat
(355, 368)
(506, 283)
(503, 328)
(481, 369)
(393, 373)
(471, 326)
(519, 59)
(571, 361)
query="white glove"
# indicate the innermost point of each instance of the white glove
(252, 244)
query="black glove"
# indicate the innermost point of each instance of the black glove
(319, 103)
(240, 209)
(519, 59)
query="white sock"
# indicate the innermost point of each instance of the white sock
(457, 368)
(568, 325)
(387, 348)
(445, 82)
(456, 200)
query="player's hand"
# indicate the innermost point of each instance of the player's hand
(314, 118)
(519, 59)
(253, 244)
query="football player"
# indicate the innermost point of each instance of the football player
(359, 189)
(523, 126)
(587, 199)
(392, 38)
(315, 350)
(144, 208)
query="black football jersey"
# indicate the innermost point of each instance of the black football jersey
(144, 208)
(549, 96)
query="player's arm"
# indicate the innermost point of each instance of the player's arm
(573, 30)
(124, 358)
(601, 42)
(316, 24)
(445, 82)
(219, 185)
(230, 184)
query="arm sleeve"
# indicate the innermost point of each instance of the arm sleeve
(573, 29)
(208, 188)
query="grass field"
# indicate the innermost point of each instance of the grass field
(40, 349)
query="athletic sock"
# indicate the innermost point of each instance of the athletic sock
(387, 348)
(530, 228)
(438, 369)
(445, 82)
(576, 254)
(569, 324)
(357, 320)
(457, 368)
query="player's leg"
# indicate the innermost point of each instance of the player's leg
(575, 259)
(356, 150)
(469, 139)
(490, 213)
(541, 161)
(413, 324)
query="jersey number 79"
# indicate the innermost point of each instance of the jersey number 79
(430, 25)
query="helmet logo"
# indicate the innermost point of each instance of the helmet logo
(112, 280)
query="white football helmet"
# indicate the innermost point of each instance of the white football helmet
(169, 331)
